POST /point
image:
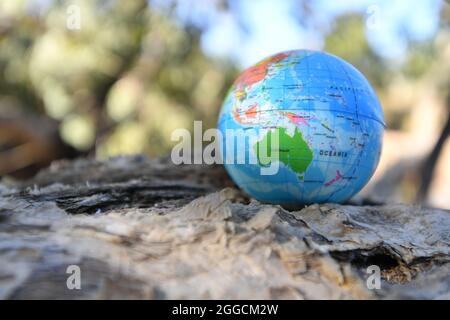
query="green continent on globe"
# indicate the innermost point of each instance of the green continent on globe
(293, 151)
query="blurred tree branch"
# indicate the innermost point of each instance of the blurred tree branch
(431, 161)
(128, 56)
(29, 143)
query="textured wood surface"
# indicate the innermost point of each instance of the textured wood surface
(147, 229)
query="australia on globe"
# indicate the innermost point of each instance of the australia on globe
(315, 116)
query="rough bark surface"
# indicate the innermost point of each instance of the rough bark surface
(147, 229)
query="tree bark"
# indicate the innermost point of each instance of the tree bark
(140, 228)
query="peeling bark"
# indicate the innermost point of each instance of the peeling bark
(147, 229)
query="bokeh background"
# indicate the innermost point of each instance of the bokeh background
(106, 78)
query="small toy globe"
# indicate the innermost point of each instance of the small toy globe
(301, 127)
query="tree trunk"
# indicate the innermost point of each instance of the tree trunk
(140, 228)
(431, 161)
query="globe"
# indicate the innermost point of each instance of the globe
(314, 116)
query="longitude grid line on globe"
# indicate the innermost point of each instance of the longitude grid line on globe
(328, 163)
(286, 185)
(356, 133)
(310, 104)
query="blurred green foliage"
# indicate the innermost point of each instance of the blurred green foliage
(348, 40)
(131, 74)
(119, 84)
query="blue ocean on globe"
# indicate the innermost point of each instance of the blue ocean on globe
(327, 120)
